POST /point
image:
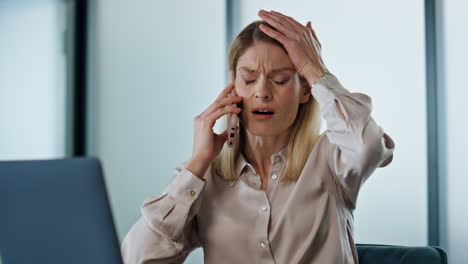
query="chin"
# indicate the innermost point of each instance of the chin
(262, 130)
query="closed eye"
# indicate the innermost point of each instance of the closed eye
(279, 83)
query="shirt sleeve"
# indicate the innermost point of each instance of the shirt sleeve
(167, 230)
(358, 144)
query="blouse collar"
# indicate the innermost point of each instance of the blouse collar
(242, 163)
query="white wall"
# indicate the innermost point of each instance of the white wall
(153, 66)
(377, 47)
(32, 79)
(454, 42)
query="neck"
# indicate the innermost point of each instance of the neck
(259, 149)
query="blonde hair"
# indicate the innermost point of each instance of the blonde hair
(305, 129)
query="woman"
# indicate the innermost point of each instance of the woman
(284, 193)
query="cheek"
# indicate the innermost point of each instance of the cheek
(291, 107)
(290, 102)
(239, 87)
(289, 93)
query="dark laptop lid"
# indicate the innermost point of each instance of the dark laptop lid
(55, 211)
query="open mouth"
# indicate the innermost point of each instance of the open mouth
(263, 112)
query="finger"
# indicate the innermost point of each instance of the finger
(221, 112)
(309, 25)
(315, 36)
(225, 92)
(292, 24)
(274, 34)
(223, 102)
(279, 24)
(291, 20)
(310, 36)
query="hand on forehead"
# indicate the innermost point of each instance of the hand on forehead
(264, 58)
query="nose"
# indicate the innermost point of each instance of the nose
(262, 90)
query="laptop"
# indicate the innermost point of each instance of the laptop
(56, 211)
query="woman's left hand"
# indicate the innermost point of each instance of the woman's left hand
(300, 42)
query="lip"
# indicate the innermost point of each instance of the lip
(263, 108)
(262, 117)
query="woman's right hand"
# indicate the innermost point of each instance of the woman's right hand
(206, 143)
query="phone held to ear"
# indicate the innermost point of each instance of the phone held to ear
(232, 119)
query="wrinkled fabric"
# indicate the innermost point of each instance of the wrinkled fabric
(310, 221)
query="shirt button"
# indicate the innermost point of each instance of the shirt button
(192, 192)
(262, 244)
(264, 208)
(274, 176)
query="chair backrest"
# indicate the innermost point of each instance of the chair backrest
(383, 254)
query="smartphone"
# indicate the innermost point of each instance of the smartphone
(232, 119)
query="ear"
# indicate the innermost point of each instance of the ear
(305, 92)
(231, 76)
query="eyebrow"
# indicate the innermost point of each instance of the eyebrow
(273, 71)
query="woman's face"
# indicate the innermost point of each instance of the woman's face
(265, 77)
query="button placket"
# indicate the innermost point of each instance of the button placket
(264, 219)
(254, 181)
(277, 159)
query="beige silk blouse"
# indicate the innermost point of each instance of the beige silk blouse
(310, 221)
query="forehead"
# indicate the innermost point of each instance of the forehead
(263, 56)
